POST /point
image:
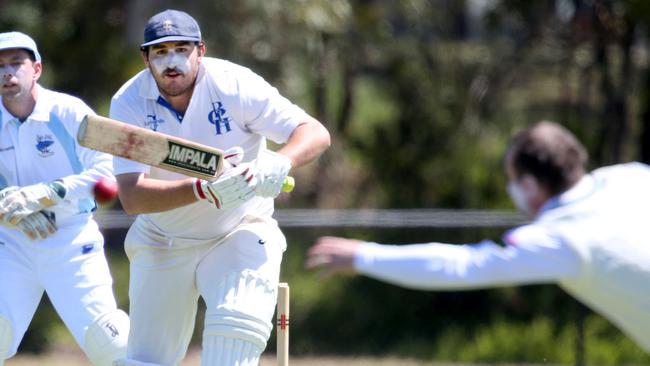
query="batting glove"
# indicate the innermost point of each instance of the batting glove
(39, 225)
(234, 186)
(17, 204)
(272, 169)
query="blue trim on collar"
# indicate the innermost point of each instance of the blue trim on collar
(166, 104)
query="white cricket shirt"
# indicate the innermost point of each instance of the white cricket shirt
(230, 106)
(44, 148)
(594, 240)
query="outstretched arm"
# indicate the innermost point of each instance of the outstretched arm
(445, 266)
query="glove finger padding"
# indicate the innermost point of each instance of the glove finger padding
(3, 194)
(234, 187)
(272, 168)
(37, 226)
(6, 191)
(234, 155)
(20, 203)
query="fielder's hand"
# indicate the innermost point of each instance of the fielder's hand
(333, 255)
(272, 169)
(235, 185)
(39, 225)
(19, 203)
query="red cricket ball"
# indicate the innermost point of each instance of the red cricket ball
(105, 190)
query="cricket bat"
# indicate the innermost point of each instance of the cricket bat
(154, 148)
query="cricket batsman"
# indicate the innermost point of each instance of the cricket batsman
(196, 238)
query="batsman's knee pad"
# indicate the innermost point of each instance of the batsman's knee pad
(106, 338)
(6, 339)
(222, 351)
(239, 319)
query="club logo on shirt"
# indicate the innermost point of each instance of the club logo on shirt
(43, 145)
(218, 118)
(153, 122)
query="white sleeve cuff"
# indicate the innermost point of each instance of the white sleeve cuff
(365, 256)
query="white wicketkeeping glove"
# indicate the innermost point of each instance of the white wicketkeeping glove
(19, 203)
(6, 191)
(272, 169)
(234, 186)
(39, 225)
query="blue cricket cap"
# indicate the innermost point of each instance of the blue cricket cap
(10, 40)
(169, 26)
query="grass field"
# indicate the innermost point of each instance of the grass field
(73, 357)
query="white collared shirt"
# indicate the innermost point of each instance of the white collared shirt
(44, 148)
(230, 106)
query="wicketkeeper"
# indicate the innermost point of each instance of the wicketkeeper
(48, 238)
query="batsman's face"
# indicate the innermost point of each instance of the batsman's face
(175, 65)
(19, 73)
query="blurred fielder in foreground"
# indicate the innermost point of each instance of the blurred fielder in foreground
(589, 233)
(196, 238)
(48, 238)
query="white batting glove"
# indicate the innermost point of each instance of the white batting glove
(272, 169)
(39, 225)
(234, 186)
(232, 157)
(22, 202)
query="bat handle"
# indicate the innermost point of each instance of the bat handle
(288, 184)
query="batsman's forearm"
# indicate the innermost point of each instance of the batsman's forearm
(139, 194)
(307, 142)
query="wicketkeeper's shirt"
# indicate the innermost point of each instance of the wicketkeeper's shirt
(44, 148)
(592, 240)
(230, 106)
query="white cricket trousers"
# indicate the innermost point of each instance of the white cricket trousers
(167, 276)
(70, 266)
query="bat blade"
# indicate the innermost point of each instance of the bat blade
(155, 148)
(149, 147)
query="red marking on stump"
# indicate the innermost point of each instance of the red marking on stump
(283, 322)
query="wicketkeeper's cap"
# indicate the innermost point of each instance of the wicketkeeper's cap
(170, 26)
(10, 40)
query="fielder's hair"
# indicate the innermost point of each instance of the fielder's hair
(551, 154)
